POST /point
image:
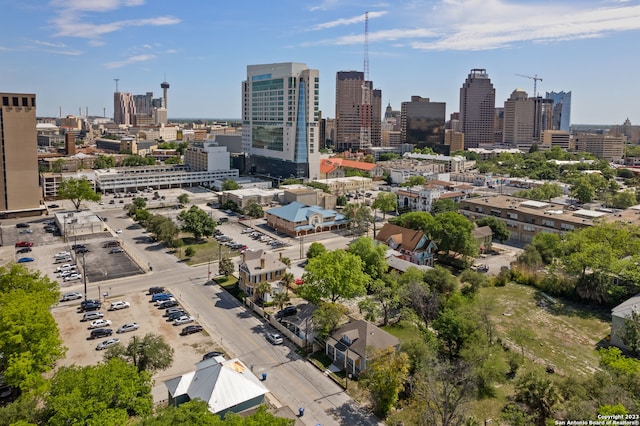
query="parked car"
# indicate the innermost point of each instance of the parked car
(159, 297)
(118, 231)
(130, 326)
(24, 244)
(107, 343)
(184, 319)
(116, 250)
(26, 231)
(175, 315)
(77, 246)
(63, 260)
(25, 259)
(53, 206)
(24, 250)
(287, 312)
(155, 290)
(190, 329)
(62, 254)
(72, 277)
(82, 250)
(100, 332)
(68, 272)
(90, 316)
(22, 225)
(111, 244)
(99, 323)
(65, 267)
(71, 296)
(90, 307)
(275, 338)
(168, 304)
(120, 304)
(173, 311)
(210, 355)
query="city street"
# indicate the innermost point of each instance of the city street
(292, 381)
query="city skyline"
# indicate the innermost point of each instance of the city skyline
(73, 50)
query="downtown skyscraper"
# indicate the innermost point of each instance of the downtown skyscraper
(280, 120)
(358, 112)
(477, 109)
(561, 113)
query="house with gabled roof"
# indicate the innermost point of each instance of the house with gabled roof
(619, 315)
(297, 219)
(413, 246)
(329, 168)
(258, 266)
(351, 346)
(226, 386)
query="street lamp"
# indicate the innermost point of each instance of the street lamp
(84, 276)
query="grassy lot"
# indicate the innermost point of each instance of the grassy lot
(563, 334)
(206, 250)
(404, 331)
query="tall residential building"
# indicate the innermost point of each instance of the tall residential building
(561, 110)
(19, 187)
(124, 108)
(358, 125)
(280, 120)
(519, 112)
(422, 122)
(477, 114)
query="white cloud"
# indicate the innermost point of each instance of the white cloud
(471, 25)
(347, 21)
(49, 44)
(130, 60)
(73, 18)
(324, 5)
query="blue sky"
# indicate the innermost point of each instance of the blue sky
(69, 51)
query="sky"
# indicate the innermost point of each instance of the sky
(68, 52)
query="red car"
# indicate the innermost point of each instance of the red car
(24, 244)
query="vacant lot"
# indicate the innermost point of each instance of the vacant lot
(565, 335)
(74, 333)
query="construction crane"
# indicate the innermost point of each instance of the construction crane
(535, 79)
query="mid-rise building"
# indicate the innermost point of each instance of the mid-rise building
(559, 138)
(561, 115)
(208, 158)
(20, 192)
(607, 147)
(477, 109)
(455, 140)
(280, 120)
(422, 122)
(124, 108)
(358, 112)
(519, 112)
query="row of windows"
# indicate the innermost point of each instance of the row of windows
(16, 101)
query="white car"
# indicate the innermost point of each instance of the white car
(73, 277)
(130, 326)
(184, 319)
(65, 267)
(118, 231)
(71, 296)
(275, 338)
(99, 323)
(68, 272)
(118, 305)
(105, 344)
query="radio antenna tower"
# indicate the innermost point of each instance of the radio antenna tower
(365, 109)
(366, 46)
(116, 80)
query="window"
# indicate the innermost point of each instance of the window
(5, 101)
(512, 215)
(25, 102)
(529, 228)
(14, 101)
(549, 223)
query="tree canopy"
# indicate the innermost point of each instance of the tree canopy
(334, 275)
(385, 202)
(230, 185)
(77, 190)
(372, 256)
(197, 222)
(149, 353)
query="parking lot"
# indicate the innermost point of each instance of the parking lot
(188, 349)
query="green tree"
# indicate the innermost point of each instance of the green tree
(443, 205)
(139, 203)
(327, 317)
(582, 190)
(522, 336)
(334, 275)
(173, 160)
(189, 252)
(498, 227)
(105, 394)
(341, 200)
(163, 228)
(386, 292)
(254, 210)
(385, 202)
(631, 332)
(359, 216)
(183, 198)
(260, 290)
(422, 221)
(414, 181)
(315, 250)
(29, 340)
(539, 393)
(151, 353)
(548, 245)
(454, 232)
(454, 328)
(138, 160)
(197, 222)
(281, 298)
(142, 216)
(77, 190)
(372, 254)
(384, 378)
(226, 267)
(104, 162)
(624, 199)
(230, 185)
(287, 280)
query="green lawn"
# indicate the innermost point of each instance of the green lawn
(206, 250)
(404, 331)
(565, 335)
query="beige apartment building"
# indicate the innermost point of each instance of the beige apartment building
(20, 193)
(607, 147)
